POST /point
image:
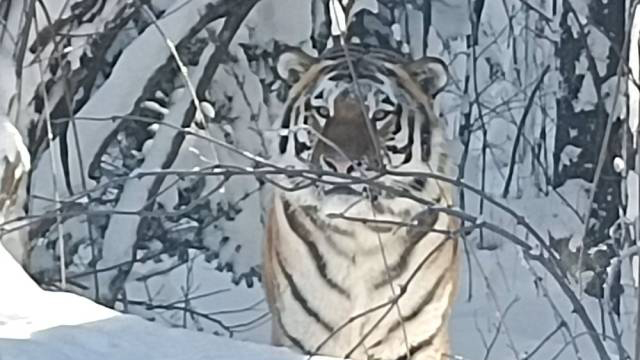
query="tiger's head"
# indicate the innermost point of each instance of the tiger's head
(357, 112)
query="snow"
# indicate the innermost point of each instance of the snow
(209, 290)
(136, 64)
(12, 146)
(38, 324)
(120, 236)
(633, 184)
(266, 19)
(14, 157)
(8, 83)
(453, 18)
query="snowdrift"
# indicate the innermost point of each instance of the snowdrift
(44, 325)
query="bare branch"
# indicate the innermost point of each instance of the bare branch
(516, 142)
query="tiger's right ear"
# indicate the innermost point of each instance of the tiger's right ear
(430, 72)
(293, 63)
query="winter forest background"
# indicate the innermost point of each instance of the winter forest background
(135, 177)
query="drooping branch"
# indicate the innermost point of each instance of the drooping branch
(521, 123)
(162, 156)
(236, 15)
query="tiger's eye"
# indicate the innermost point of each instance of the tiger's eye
(321, 111)
(380, 115)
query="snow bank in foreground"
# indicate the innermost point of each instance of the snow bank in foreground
(44, 325)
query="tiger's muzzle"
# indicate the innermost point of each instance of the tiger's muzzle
(345, 146)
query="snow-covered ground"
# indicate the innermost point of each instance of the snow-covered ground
(506, 321)
(44, 325)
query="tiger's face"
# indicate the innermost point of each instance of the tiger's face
(339, 124)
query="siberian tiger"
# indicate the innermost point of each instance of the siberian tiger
(332, 282)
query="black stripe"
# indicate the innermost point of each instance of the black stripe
(297, 295)
(418, 184)
(387, 100)
(299, 146)
(294, 340)
(371, 77)
(425, 139)
(343, 74)
(413, 349)
(407, 157)
(304, 234)
(307, 107)
(311, 214)
(420, 307)
(286, 124)
(359, 51)
(426, 221)
(398, 268)
(427, 298)
(398, 124)
(406, 148)
(380, 229)
(411, 122)
(416, 348)
(384, 71)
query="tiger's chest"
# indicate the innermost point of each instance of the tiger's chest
(342, 277)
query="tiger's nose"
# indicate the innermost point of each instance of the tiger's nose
(342, 166)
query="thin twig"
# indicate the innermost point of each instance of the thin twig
(494, 298)
(552, 304)
(29, 14)
(148, 306)
(55, 156)
(601, 112)
(613, 271)
(502, 315)
(521, 123)
(548, 337)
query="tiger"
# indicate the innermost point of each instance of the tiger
(344, 271)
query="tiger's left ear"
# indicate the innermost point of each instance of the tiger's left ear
(292, 63)
(430, 72)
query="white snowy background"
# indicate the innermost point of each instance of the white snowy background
(197, 267)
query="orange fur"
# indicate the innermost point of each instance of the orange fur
(269, 279)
